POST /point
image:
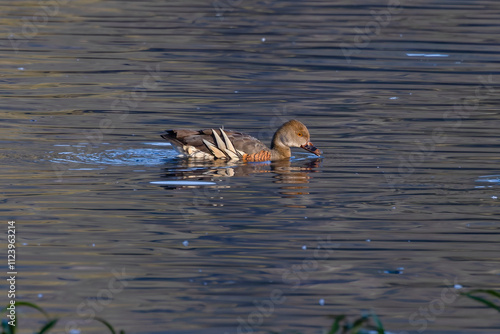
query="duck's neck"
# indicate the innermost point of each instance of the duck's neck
(278, 149)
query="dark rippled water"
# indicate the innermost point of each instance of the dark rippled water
(398, 216)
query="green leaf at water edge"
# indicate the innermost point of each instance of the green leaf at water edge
(336, 324)
(28, 304)
(380, 327)
(6, 328)
(108, 325)
(358, 324)
(48, 326)
(482, 300)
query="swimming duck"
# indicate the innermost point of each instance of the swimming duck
(223, 144)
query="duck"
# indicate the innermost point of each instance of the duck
(210, 144)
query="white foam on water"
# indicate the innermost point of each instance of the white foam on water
(489, 179)
(426, 55)
(85, 168)
(184, 183)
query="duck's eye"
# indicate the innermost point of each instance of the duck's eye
(299, 134)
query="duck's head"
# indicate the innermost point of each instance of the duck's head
(295, 134)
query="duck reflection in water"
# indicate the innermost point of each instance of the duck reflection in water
(294, 175)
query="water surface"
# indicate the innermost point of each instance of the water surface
(398, 216)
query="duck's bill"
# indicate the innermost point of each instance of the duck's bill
(311, 148)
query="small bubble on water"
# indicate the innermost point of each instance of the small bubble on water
(20, 68)
(40, 295)
(368, 240)
(458, 286)
(393, 98)
(322, 302)
(494, 197)
(304, 247)
(185, 243)
(263, 39)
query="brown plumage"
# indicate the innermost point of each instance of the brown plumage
(232, 145)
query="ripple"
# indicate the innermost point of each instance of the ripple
(117, 157)
(184, 183)
(426, 55)
(490, 180)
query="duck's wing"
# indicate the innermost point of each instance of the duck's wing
(244, 143)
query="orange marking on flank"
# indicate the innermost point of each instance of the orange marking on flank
(259, 156)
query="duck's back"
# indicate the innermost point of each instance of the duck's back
(182, 138)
